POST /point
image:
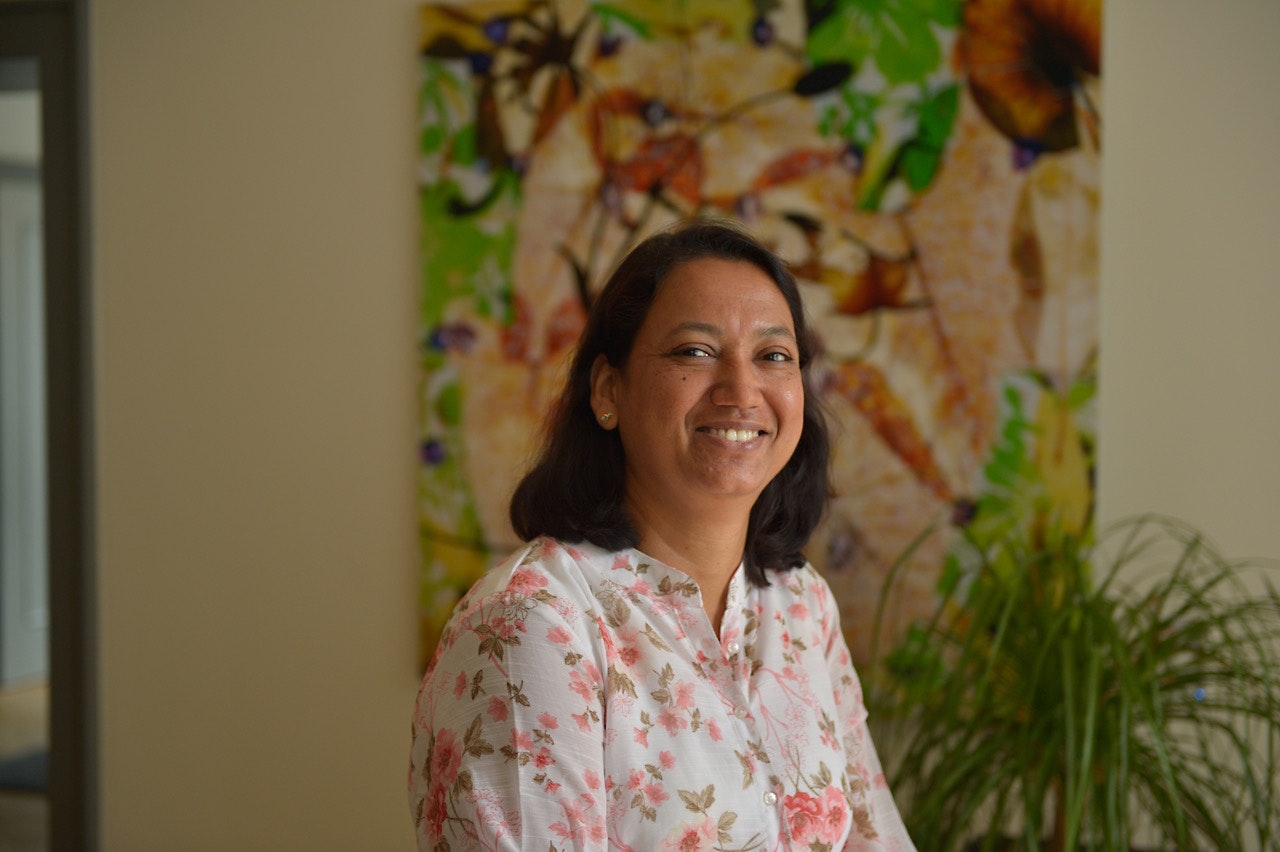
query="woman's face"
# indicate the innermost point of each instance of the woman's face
(710, 402)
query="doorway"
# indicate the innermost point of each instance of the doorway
(24, 597)
(47, 768)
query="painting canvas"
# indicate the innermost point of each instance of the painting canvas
(928, 168)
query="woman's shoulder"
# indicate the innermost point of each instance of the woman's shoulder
(542, 562)
(544, 589)
(802, 591)
(804, 582)
(544, 570)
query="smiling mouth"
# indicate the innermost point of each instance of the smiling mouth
(735, 435)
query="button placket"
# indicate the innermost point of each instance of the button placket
(732, 621)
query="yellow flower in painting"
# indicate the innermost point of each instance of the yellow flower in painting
(1061, 460)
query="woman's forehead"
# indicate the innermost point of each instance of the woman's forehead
(709, 291)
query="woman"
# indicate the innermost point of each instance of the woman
(659, 668)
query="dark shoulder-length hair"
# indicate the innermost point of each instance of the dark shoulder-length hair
(574, 492)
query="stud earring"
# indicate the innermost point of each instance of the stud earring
(604, 418)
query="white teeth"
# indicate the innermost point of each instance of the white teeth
(735, 434)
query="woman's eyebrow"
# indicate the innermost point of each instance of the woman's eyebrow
(717, 331)
(778, 331)
(698, 327)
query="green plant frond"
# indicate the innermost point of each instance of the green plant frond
(963, 809)
(1037, 788)
(948, 805)
(1184, 809)
(877, 628)
(1083, 780)
(1202, 803)
(999, 809)
(1152, 691)
(1115, 787)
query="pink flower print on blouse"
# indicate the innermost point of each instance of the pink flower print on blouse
(493, 817)
(713, 729)
(586, 681)
(446, 758)
(497, 709)
(581, 824)
(816, 822)
(693, 837)
(526, 582)
(803, 815)
(559, 635)
(835, 815)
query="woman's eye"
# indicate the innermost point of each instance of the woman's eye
(779, 357)
(693, 352)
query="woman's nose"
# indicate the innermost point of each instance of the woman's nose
(737, 384)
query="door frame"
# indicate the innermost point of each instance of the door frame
(55, 33)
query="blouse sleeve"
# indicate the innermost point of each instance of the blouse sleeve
(507, 733)
(877, 825)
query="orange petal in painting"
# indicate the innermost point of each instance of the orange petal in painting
(864, 385)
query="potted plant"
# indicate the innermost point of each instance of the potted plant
(1080, 691)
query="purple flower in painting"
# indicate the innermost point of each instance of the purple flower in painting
(431, 452)
(608, 45)
(497, 29)
(480, 61)
(518, 164)
(762, 32)
(1025, 153)
(455, 336)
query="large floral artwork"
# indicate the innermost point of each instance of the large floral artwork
(929, 168)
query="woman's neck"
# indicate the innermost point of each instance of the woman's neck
(708, 546)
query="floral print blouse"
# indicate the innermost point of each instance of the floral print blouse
(580, 699)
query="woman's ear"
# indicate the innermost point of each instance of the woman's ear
(604, 392)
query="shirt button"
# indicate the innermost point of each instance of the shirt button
(740, 712)
(770, 797)
(734, 647)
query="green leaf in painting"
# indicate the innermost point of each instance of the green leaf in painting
(898, 35)
(432, 138)
(464, 257)
(845, 35)
(922, 156)
(449, 405)
(907, 49)
(464, 145)
(609, 13)
(944, 12)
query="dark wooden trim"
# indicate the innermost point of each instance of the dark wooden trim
(54, 32)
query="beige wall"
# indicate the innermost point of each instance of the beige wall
(1191, 267)
(253, 216)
